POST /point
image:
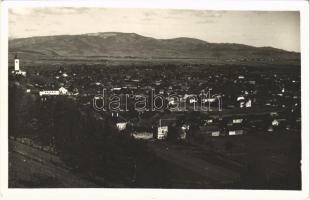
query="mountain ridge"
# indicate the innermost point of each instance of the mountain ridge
(118, 44)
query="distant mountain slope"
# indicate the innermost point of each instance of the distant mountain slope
(114, 44)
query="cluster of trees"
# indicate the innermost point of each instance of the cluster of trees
(96, 148)
(86, 144)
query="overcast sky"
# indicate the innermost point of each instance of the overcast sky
(278, 29)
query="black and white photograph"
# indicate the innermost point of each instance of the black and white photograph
(154, 98)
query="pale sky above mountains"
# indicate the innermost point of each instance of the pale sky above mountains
(279, 29)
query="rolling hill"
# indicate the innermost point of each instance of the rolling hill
(131, 45)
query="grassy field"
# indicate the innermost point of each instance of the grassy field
(253, 161)
(32, 168)
(123, 61)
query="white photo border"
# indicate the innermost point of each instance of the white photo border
(135, 194)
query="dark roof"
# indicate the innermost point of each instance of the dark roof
(235, 127)
(209, 128)
(121, 119)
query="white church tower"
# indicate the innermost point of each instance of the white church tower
(17, 70)
(16, 63)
